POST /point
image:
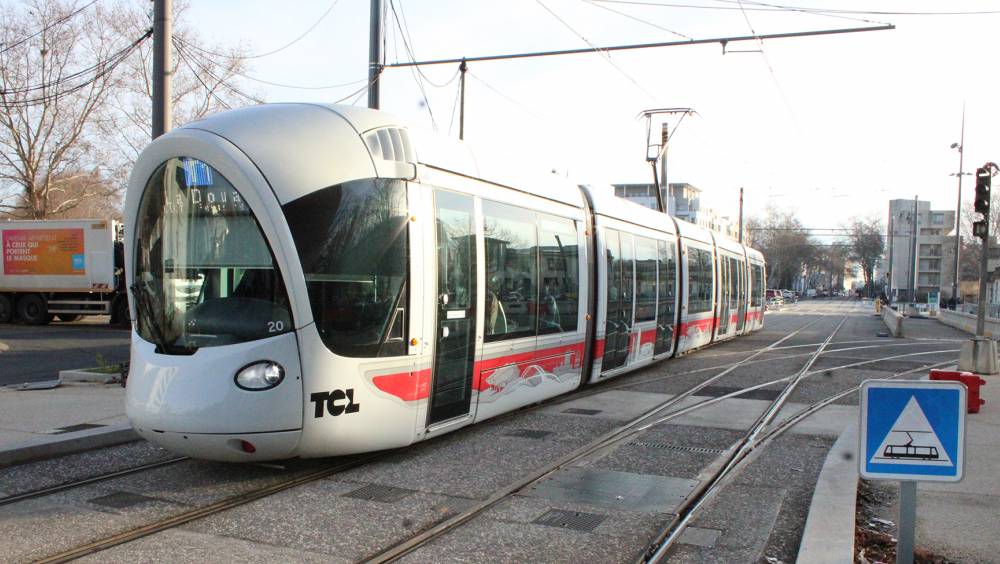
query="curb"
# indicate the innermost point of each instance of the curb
(68, 443)
(829, 533)
(86, 376)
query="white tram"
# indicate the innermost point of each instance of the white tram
(312, 280)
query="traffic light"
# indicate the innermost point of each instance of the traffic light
(979, 229)
(982, 191)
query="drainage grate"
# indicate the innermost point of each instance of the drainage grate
(575, 520)
(581, 411)
(73, 428)
(528, 433)
(718, 391)
(380, 493)
(701, 450)
(121, 500)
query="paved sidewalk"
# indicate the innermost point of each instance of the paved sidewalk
(70, 418)
(958, 521)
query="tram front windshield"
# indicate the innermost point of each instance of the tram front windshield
(204, 274)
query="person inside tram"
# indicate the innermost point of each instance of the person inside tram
(550, 305)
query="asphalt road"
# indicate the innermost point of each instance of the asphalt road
(38, 353)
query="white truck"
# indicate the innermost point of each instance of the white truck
(61, 269)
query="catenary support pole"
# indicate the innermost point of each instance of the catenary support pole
(663, 187)
(461, 108)
(374, 53)
(162, 31)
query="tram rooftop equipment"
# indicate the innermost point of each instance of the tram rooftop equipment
(310, 280)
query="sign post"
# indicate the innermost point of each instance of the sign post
(911, 431)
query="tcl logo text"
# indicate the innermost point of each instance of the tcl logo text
(334, 403)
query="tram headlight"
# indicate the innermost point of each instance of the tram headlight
(261, 375)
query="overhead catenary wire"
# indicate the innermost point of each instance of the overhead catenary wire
(197, 75)
(222, 81)
(273, 83)
(635, 46)
(69, 78)
(770, 68)
(780, 8)
(105, 67)
(634, 18)
(274, 51)
(602, 52)
(416, 76)
(46, 28)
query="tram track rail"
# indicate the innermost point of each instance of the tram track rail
(185, 517)
(260, 493)
(406, 546)
(49, 490)
(633, 427)
(672, 532)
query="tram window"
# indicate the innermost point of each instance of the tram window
(352, 243)
(511, 271)
(204, 274)
(645, 279)
(756, 285)
(559, 265)
(700, 280)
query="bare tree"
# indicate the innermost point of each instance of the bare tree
(785, 243)
(866, 245)
(57, 69)
(205, 80)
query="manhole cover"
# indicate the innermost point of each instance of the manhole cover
(576, 520)
(121, 500)
(380, 493)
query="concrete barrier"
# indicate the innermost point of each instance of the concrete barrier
(967, 322)
(893, 321)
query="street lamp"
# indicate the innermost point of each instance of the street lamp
(958, 210)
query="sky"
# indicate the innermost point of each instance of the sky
(830, 127)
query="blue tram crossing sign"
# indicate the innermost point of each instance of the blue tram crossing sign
(912, 430)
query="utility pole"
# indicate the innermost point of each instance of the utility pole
(162, 31)
(741, 215)
(892, 240)
(374, 53)
(914, 226)
(958, 208)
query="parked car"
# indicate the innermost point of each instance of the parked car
(774, 298)
(789, 296)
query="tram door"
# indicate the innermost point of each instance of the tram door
(455, 345)
(724, 275)
(621, 284)
(741, 316)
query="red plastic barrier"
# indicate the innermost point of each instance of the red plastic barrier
(971, 381)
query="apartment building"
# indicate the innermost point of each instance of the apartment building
(920, 250)
(682, 201)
